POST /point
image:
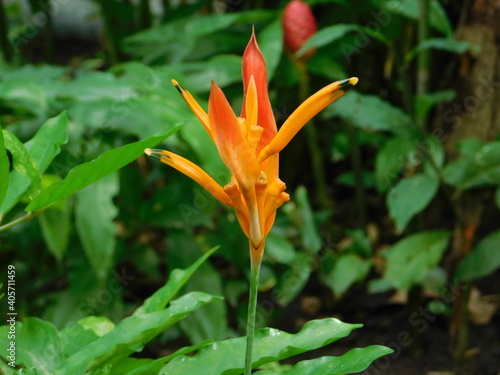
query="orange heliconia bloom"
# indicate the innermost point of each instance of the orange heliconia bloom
(249, 146)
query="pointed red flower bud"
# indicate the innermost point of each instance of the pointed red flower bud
(299, 25)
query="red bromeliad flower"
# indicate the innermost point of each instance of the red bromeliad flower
(249, 146)
(299, 25)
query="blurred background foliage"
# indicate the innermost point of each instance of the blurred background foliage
(397, 189)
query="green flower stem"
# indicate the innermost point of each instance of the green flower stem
(252, 309)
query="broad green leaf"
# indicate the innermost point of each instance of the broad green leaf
(130, 335)
(39, 345)
(209, 322)
(311, 239)
(84, 332)
(481, 169)
(24, 179)
(92, 86)
(271, 45)
(443, 44)
(411, 259)
(222, 69)
(279, 249)
(410, 196)
(390, 160)
(136, 366)
(4, 170)
(24, 95)
(355, 360)
(87, 173)
(56, 227)
(348, 269)
(177, 279)
(94, 215)
(18, 184)
(44, 146)
(326, 36)
(470, 146)
(369, 112)
(227, 357)
(294, 279)
(482, 261)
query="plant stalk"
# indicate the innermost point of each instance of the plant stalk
(312, 142)
(252, 310)
(20, 220)
(423, 56)
(5, 46)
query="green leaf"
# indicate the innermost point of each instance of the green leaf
(227, 357)
(497, 197)
(279, 249)
(130, 335)
(87, 173)
(44, 146)
(84, 332)
(177, 279)
(39, 345)
(348, 269)
(390, 160)
(4, 169)
(294, 279)
(326, 36)
(482, 261)
(443, 44)
(369, 112)
(410, 196)
(411, 259)
(222, 69)
(56, 226)
(24, 179)
(355, 360)
(209, 322)
(481, 169)
(311, 239)
(94, 215)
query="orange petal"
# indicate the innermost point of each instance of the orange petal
(307, 110)
(192, 171)
(195, 107)
(232, 145)
(254, 65)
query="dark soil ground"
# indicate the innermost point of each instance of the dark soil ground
(421, 340)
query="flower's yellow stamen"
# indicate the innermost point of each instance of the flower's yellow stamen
(251, 103)
(254, 135)
(261, 193)
(192, 171)
(307, 110)
(195, 107)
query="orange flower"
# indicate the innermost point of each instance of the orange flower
(249, 146)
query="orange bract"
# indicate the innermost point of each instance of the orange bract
(249, 146)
